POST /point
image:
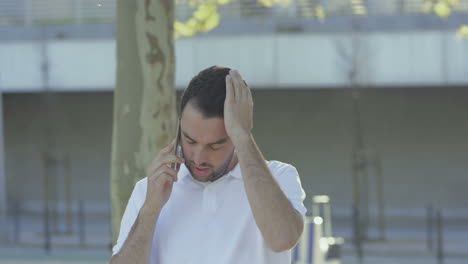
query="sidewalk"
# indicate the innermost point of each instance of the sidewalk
(22, 255)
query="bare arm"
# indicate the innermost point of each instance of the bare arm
(137, 247)
(160, 179)
(280, 224)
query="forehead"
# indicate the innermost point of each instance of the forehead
(201, 128)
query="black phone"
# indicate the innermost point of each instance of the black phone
(177, 148)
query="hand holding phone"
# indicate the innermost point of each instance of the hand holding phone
(162, 173)
(177, 147)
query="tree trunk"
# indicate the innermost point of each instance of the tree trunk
(3, 189)
(144, 98)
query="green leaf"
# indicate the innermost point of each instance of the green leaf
(284, 3)
(320, 13)
(442, 9)
(462, 31)
(452, 2)
(267, 3)
(223, 2)
(204, 11)
(211, 22)
(207, 17)
(183, 29)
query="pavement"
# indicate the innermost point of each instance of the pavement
(405, 243)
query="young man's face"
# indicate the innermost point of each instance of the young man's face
(208, 150)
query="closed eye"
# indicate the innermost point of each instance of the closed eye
(188, 139)
(216, 147)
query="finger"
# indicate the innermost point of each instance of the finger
(167, 170)
(164, 161)
(170, 159)
(169, 179)
(163, 172)
(235, 84)
(164, 151)
(230, 94)
(169, 148)
(248, 91)
(249, 95)
(166, 179)
(238, 84)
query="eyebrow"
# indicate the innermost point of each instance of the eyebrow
(221, 141)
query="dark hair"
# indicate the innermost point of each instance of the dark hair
(207, 92)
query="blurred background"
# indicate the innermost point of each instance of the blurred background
(367, 98)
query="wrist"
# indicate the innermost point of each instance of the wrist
(150, 210)
(241, 139)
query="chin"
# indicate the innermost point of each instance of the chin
(201, 179)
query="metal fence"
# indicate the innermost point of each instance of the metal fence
(81, 224)
(60, 12)
(420, 233)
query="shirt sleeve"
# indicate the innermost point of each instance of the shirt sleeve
(129, 216)
(290, 182)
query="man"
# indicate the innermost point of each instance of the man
(226, 204)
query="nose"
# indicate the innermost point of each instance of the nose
(200, 156)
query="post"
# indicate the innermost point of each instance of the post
(68, 196)
(364, 208)
(315, 235)
(357, 234)
(53, 163)
(327, 219)
(110, 229)
(16, 222)
(429, 229)
(380, 197)
(46, 205)
(81, 223)
(440, 238)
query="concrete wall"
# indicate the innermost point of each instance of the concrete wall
(420, 135)
(432, 58)
(79, 127)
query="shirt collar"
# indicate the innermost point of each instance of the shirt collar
(236, 172)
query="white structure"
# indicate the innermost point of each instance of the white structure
(402, 59)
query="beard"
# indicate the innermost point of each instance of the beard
(216, 174)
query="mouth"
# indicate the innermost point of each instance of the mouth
(200, 170)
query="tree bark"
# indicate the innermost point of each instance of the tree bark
(144, 97)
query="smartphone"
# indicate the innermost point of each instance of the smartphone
(178, 148)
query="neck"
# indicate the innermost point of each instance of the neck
(233, 162)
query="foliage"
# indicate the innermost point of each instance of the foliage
(443, 9)
(206, 15)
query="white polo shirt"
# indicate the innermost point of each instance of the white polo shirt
(211, 223)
